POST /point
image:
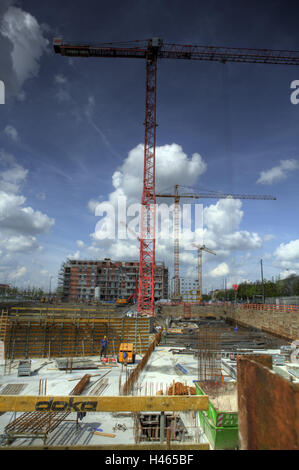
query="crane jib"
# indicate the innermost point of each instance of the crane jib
(173, 51)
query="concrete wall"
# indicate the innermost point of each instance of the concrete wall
(276, 321)
(280, 321)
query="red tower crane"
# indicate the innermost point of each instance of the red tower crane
(151, 50)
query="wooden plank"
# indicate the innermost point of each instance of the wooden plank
(104, 403)
(146, 446)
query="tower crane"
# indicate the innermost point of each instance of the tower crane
(176, 220)
(151, 50)
(200, 249)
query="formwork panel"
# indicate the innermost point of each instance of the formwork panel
(55, 335)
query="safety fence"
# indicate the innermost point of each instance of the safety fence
(270, 307)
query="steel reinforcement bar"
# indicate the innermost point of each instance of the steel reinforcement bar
(133, 377)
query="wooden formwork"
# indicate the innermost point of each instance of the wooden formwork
(63, 334)
(278, 320)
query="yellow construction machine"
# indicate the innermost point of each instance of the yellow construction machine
(126, 353)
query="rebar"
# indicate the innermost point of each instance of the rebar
(209, 355)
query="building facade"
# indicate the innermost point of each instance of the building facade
(189, 289)
(106, 280)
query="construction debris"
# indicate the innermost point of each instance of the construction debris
(178, 388)
(104, 434)
(119, 426)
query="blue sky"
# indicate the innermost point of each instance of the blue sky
(71, 134)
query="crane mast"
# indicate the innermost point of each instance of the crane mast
(200, 249)
(151, 50)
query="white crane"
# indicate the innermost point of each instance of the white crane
(200, 249)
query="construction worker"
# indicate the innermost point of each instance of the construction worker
(104, 344)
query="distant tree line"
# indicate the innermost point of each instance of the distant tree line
(253, 290)
(29, 292)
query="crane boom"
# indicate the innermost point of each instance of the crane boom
(139, 50)
(219, 196)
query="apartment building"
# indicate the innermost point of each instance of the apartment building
(106, 280)
(189, 289)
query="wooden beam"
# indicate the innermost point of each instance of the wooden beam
(150, 446)
(103, 403)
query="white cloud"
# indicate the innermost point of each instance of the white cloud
(80, 243)
(19, 243)
(75, 255)
(13, 214)
(11, 132)
(28, 42)
(222, 221)
(288, 252)
(278, 173)
(286, 273)
(221, 270)
(12, 175)
(19, 224)
(21, 219)
(224, 216)
(124, 250)
(172, 166)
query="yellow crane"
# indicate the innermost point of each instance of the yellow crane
(176, 219)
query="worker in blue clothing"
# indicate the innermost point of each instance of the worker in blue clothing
(104, 344)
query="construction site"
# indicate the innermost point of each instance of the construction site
(111, 366)
(194, 377)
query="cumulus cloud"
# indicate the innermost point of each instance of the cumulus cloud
(22, 45)
(222, 221)
(19, 224)
(221, 270)
(278, 173)
(75, 255)
(288, 252)
(172, 166)
(19, 243)
(221, 230)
